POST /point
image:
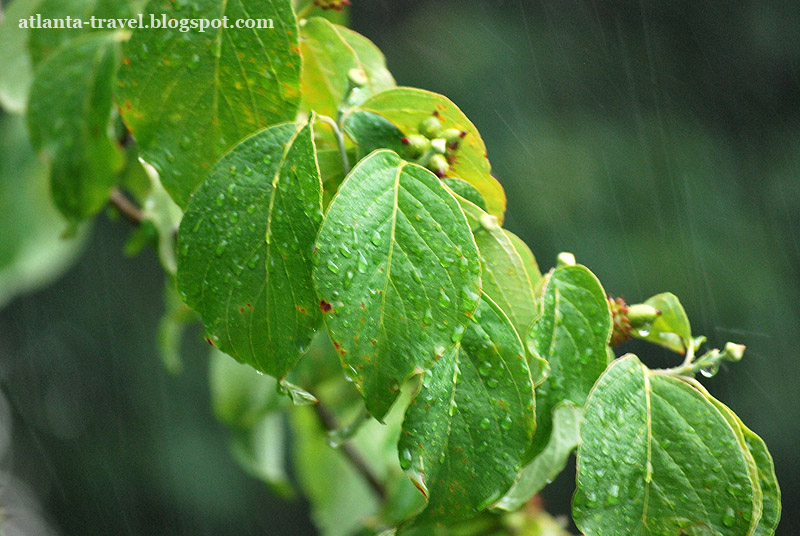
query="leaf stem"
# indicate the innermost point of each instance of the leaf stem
(125, 206)
(349, 451)
(339, 140)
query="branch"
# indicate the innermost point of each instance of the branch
(350, 452)
(125, 206)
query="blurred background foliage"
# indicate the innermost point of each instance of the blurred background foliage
(659, 142)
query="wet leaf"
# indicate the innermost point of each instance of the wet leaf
(671, 328)
(330, 52)
(553, 459)
(44, 41)
(504, 274)
(466, 190)
(189, 97)
(528, 259)
(658, 457)
(764, 467)
(467, 429)
(397, 274)
(244, 249)
(571, 335)
(408, 107)
(68, 116)
(371, 132)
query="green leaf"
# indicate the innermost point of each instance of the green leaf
(764, 467)
(397, 273)
(371, 132)
(528, 260)
(466, 431)
(189, 97)
(330, 52)
(771, 492)
(504, 275)
(68, 116)
(240, 396)
(658, 458)
(407, 107)
(261, 452)
(159, 209)
(671, 328)
(44, 41)
(17, 74)
(340, 499)
(553, 459)
(571, 335)
(248, 402)
(33, 251)
(244, 249)
(176, 318)
(466, 190)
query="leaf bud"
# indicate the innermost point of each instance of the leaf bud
(357, 77)
(733, 351)
(565, 259)
(416, 145)
(642, 314)
(439, 165)
(430, 127)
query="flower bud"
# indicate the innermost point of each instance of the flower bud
(430, 127)
(439, 145)
(415, 145)
(439, 165)
(453, 136)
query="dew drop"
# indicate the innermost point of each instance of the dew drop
(345, 252)
(220, 200)
(221, 248)
(458, 333)
(492, 382)
(729, 517)
(362, 263)
(613, 495)
(332, 267)
(444, 299)
(428, 318)
(405, 459)
(376, 238)
(710, 372)
(485, 423)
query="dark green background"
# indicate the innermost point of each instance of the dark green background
(659, 142)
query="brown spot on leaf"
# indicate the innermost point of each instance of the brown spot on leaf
(325, 306)
(301, 309)
(209, 341)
